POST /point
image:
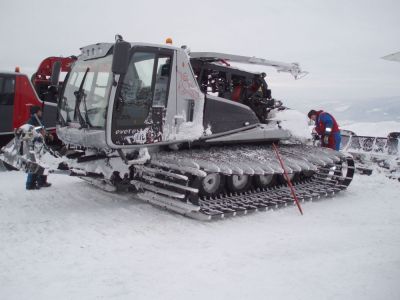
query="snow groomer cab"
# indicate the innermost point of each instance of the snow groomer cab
(126, 95)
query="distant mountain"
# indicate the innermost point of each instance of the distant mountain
(363, 110)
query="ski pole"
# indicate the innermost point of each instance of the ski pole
(287, 179)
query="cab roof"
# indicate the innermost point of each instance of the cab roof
(102, 49)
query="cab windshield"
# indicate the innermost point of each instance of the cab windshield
(95, 93)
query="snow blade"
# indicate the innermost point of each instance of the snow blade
(370, 151)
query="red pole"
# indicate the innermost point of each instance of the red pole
(287, 178)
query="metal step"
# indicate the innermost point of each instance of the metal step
(140, 185)
(171, 184)
(155, 171)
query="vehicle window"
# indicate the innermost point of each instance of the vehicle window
(62, 76)
(101, 83)
(162, 81)
(96, 88)
(72, 78)
(7, 87)
(136, 90)
(136, 87)
(79, 77)
(88, 81)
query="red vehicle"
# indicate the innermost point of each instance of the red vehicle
(41, 78)
(18, 94)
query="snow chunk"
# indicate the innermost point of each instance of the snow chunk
(143, 157)
(186, 131)
(294, 121)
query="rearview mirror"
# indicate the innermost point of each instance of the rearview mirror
(55, 73)
(121, 57)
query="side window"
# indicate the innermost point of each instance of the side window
(73, 77)
(78, 78)
(162, 81)
(137, 82)
(7, 88)
(136, 92)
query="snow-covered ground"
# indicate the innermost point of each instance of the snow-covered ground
(72, 241)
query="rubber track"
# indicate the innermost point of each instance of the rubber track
(329, 177)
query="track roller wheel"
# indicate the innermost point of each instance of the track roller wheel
(211, 185)
(347, 170)
(264, 181)
(282, 179)
(238, 183)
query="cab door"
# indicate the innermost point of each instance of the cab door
(141, 99)
(7, 95)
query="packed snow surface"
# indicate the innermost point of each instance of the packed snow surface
(73, 241)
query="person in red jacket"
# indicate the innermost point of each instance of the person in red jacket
(327, 128)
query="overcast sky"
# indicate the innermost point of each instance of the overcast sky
(339, 42)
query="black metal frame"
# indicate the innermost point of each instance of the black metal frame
(200, 67)
(260, 104)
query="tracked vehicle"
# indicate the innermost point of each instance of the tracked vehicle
(184, 131)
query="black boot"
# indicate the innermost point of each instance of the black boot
(45, 184)
(42, 181)
(33, 187)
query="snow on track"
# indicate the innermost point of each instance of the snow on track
(72, 241)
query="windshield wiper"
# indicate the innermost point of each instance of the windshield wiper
(86, 111)
(79, 94)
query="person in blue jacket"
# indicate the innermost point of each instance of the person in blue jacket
(327, 128)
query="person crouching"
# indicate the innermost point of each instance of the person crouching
(327, 128)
